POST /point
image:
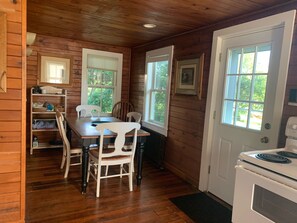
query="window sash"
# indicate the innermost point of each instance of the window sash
(149, 120)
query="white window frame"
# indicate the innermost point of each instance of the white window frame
(165, 53)
(84, 79)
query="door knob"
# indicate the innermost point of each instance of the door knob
(265, 139)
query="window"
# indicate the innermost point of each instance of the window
(157, 89)
(101, 79)
(245, 86)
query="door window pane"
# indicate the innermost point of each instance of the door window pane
(234, 58)
(255, 120)
(248, 60)
(263, 58)
(228, 112)
(245, 87)
(244, 93)
(259, 88)
(242, 114)
(231, 87)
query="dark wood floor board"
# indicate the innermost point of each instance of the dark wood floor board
(51, 198)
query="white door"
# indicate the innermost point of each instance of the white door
(245, 117)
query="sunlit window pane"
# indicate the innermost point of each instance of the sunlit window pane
(94, 95)
(248, 60)
(259, 88)
(263, 58)
(242, 114)
(101, 88)
(107, 100)
(228, 112)
(244, 87)
(233, 65)
(94, 76)
(157, 113)
(231, 87)
(56, 73)
(108, 78)
(161, 75)
(256, 116)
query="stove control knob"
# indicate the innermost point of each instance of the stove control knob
(265, 139)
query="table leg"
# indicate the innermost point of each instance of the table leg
(139, 162)
(84, 168)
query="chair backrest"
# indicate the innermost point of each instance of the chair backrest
(60, 123)
(121, 129)
(88, 110)
(121, 108)
(134, 116)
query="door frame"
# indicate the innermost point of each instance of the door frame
(285, 20)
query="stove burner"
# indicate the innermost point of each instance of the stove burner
(272, 158)
(287, 154)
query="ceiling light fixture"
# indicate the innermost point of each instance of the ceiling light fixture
(149, 25)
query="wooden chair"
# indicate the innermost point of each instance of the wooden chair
(68, 152)
(121, 109)
(116, 156)
(88, 110)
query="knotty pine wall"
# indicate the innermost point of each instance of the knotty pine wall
(47, 44)
(187, 113)
(12, 117)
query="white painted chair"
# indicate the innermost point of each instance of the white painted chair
(134, 116)
(68, 151)
(114, 156)
(88, 111)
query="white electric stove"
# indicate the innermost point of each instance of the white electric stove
(266, 183)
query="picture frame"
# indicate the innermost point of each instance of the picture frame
(54, 70)
(189, 76)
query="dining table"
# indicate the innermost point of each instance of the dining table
(85, 129)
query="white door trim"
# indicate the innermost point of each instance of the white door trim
(285, 20)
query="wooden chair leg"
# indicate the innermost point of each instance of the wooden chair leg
(98, 181)
(106, 170)
(130, 178)
(63, 159)
(67, 166)
(121, 170)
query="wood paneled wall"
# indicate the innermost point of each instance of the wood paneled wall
(12, 117)
(187, 113)
(47, 44)
(73, 48)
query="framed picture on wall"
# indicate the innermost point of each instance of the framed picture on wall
(189, 74)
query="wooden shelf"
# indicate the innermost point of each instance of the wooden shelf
(47, 145)
(48, 95)
(45, 130)
(43, 133)
(46, 112)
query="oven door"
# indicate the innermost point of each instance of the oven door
(261, 199)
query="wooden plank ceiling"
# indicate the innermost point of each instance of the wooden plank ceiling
(120, 22)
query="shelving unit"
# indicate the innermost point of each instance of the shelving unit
(43, 122)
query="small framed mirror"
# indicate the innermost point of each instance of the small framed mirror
(54, 69)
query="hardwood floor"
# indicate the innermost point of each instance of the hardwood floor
(51, 198)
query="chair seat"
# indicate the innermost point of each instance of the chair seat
(115, 155)
(95, 155)
(75, 150)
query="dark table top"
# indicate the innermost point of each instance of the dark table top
(85, 128)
